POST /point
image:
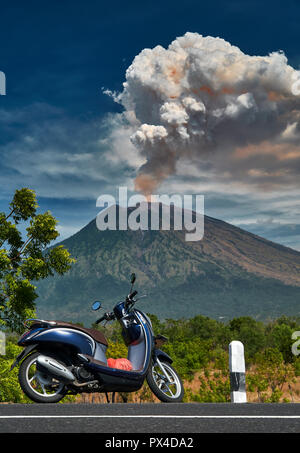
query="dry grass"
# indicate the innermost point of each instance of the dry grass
(290, 392)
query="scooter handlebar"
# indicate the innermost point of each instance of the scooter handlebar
(106, 317)
(129, 299)
(100, 319)
(111, 316)
(131, 296)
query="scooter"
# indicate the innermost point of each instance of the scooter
(61, 358)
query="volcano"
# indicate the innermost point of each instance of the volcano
(227, 274)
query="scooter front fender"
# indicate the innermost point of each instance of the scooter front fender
(161, 355)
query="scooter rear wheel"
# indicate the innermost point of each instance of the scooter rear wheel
(39, 387)
(165, 383)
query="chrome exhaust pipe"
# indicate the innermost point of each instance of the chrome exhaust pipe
(56, 369)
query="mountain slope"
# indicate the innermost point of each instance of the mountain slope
(229, 273)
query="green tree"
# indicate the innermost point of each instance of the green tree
(24, 260)
(279, 335)
(270, 373)
(250, 332)
(281, 338)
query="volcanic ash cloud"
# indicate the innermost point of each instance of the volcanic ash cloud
(203, 99)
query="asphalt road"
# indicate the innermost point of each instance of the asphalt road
(150, 418)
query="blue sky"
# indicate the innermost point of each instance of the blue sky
(56, 124)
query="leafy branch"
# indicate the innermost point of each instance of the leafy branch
(24, 261)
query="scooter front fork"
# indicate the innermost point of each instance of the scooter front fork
(166, 376)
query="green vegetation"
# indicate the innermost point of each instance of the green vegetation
(23, 260)
(10, 390)
(199, 348)
(230, 273)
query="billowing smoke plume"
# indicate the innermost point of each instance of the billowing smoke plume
(203, 97)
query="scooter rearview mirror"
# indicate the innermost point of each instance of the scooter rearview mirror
(96, 305)
(132, 278)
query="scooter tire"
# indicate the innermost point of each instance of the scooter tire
(158, 392)
(28, 389)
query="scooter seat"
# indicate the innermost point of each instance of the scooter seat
(95, 334)
(121, 364)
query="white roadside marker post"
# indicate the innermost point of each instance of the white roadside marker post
(237, 372)
(2, 343)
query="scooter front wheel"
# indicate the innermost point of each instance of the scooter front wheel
(165, 383)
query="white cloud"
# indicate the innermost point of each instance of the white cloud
(200, 100)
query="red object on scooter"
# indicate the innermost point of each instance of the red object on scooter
(121, 364)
